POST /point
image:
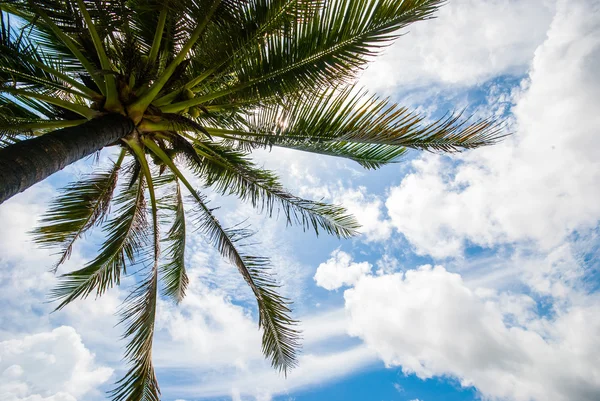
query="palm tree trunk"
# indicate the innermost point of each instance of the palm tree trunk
(28, 162)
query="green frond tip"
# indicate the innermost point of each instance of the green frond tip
(232, 173)
(173, 271)
(280, 340)
(353, 124)
(81, 206)
(126, 233)
(139, 314)
(370, 156)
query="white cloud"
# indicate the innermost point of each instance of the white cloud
(217, 343)
(431, 324)
(203, 332)
(317, 177)
(263, 381)
(49, 366)
(387, 264)
(469, 41)
(367, 209)
(540, 184)
(26, 280)
(340, 271)
(323, 327)
(520, 190)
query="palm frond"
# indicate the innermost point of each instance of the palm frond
(53, 34)
(152, 92)
(126, 233)
(173, 272)
(139, 311)
(280, 339)
(369, 156)
(220, 47)
(12, 114)
(364, 128)
(24, 65)
(112, 96)
(328, 49)
(81, 206)
(9, 110)
(75, 104)
(35, 126)
(231, 172)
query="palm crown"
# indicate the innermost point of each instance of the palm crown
(197, 84)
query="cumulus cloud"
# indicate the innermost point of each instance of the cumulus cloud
(539, 185)
(209, 336)
(49, 366)
(203, 332)
(431, 324)
(470, 41)
(340, 271)
(367, 209)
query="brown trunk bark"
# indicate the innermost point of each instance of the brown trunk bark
(28, 162)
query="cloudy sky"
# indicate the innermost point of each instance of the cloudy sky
(476, 276)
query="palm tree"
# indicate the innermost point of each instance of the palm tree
(194, 86)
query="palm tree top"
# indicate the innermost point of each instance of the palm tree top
(196, 86)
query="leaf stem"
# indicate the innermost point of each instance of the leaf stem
(137, 109)
(73, 48)
(43, 125)
(162, 18)
(112, 95)
(76, 108)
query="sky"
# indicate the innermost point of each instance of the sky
(476, 276)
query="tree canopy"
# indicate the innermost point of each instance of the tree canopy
(203, 83)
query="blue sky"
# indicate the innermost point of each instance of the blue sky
(475, 276)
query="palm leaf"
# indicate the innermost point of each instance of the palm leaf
(12, 114)
(173, 270)
(34, 126)
(280, 339)
(126, 233)
(139, 312)
(54, 32)
(364, 128)
(232, 173)
(81, 206)
(74, 104)
(369, 156)
(328, 49)
(221, 47)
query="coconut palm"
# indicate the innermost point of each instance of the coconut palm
(190, 88)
